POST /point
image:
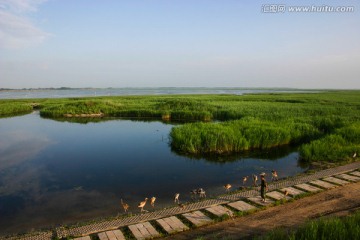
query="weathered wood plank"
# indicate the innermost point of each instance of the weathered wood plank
(308, 188)
(166, 226)
(111, 235)
(119, 235)
(197, 218)
(179, 225)
(292, 191)
(83, 238)
(277, 195)
(103, 236)
(218, 210)
(323, 184)
(258, 200)
(136, 232)
(355, 173)
(241, 206)
(143, 230)
(335, 180)
(151, 229)
(349, 177)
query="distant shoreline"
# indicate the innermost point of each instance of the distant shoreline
(177, 88)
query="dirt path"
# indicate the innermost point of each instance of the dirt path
(338, 201)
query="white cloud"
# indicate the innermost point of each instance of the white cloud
(16, 30)
(20, 6)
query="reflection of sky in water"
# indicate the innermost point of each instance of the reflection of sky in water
(57, 172)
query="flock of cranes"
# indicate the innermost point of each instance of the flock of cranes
(200, 192)
(196, 193)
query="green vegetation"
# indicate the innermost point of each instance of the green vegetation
(13, 108)
(327, 228)
(326, 125)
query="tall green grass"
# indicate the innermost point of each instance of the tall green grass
(334, 228)
(11, 108)
(238, 135)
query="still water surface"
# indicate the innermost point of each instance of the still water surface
(54, 173)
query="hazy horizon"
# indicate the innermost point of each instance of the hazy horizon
(159, 43)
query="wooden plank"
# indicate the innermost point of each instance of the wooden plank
(335, 180)
(197, 218)
(241, 206)
(103, 236)
(119, 235)
(110, 235)
(83, 238)
(349, 177)
(179, 225)
(277, 195)
(135, 231)
(292, 191)
(165, 226)
(355, 173)
(323, 184)
(307, 187)
(143, 230)
(258, 200)
(218, 210)
(151, 229)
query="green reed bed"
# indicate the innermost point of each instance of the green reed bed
(13, 108)
(325, 125)
(334, 228)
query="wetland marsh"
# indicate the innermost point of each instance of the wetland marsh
(58, 170)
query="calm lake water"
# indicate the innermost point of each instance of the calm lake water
(15, 94)
(54, 173)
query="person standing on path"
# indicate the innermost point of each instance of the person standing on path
(263, 187)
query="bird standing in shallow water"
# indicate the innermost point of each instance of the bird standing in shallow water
(124, 205)
(274, 176)
(201, 192)
(255, 178)
(176, 198)
(245, 179)
(227, 187)
(142, 205)
(152, 201)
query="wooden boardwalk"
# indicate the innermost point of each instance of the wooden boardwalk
(172, 225)
(258, 200)
(323, 184)
(349, 177)
(219, 210)
(292, 191)
(141, 228)
(336, 181)
(84, 238)
(308, 187)
(143, 231)
(197, 218)
(241, 206)
(111, 235)
(355, 173)
(277, 195)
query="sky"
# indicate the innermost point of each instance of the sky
(178, 43)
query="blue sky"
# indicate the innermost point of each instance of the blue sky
(177, 43)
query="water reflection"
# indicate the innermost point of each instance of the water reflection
(17, 146)
(54, 172)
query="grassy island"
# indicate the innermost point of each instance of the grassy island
(326, 125)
